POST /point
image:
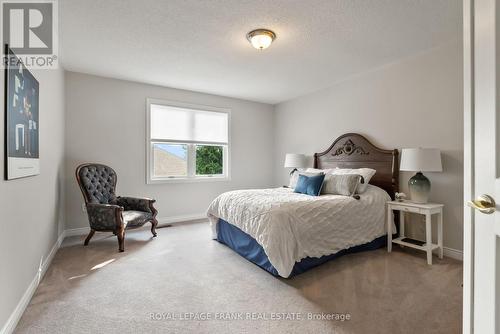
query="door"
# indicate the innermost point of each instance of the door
(481, 166)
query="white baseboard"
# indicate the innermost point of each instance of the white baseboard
(15, 316)
(161, 221)
(453, 253)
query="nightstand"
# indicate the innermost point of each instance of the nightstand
(427, 209)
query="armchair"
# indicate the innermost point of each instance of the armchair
(108, 212)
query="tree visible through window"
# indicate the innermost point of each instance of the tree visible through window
(209, 160)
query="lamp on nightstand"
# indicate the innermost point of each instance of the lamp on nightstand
(420, 160)
(294, 160)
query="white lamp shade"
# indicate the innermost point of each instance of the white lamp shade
(421, 160)
(293, 160)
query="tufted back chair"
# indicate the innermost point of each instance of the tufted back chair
(106, 211)
(97, 182)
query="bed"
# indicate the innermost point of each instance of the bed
(286, 233)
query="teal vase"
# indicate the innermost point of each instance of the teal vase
(420, 187)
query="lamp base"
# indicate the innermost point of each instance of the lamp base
(420, 188)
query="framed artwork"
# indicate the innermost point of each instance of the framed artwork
(22, 128)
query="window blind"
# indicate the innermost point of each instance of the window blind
(190, 125)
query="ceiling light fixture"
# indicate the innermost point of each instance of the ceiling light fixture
(261, 38)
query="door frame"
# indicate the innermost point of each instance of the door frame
(469, 191)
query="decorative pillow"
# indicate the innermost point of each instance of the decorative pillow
(310, 185)
(295, 177)
(366, 173)
(346, 184)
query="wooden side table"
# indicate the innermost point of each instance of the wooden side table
(427, 209)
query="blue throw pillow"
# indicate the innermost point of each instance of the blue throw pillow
(310, 185)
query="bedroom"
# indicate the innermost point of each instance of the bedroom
(174, 101)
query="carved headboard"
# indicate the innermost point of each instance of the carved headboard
(352, 150)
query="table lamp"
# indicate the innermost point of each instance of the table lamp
(420, 160)
(294, 160)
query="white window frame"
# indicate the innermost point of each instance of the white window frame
(191, 177)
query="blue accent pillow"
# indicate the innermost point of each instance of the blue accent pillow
(309, 185)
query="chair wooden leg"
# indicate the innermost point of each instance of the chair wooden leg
(91, 234)
(121, 240)
(154, 222)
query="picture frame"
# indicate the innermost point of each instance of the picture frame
(22, 126)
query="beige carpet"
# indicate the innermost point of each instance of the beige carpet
(95, 289)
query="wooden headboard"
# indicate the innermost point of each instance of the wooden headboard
(352, 150)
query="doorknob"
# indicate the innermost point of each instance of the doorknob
(484, 203)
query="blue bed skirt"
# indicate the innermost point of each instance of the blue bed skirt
(246, 246)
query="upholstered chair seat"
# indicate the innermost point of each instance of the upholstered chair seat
(108, 212)
(136, 218)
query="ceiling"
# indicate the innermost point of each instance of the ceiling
(200, 45)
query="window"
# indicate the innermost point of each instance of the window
(186, 142)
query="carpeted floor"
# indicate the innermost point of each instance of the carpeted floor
(191, 284)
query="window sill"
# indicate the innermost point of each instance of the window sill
(189, 180)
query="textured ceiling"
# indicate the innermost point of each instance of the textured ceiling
(200, 45)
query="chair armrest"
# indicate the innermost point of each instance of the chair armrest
(105, 216)
(136, 203)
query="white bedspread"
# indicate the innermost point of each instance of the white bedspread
(291, 226)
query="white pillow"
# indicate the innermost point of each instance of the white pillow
(295, 177)
(366, 173)
(318, 171)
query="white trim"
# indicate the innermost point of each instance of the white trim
(16, 315)
(468, 114)
(453, 253)
(190, 178)
(161, 221)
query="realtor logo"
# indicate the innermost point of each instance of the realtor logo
(30, 30)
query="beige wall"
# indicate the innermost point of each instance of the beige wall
(413, 103)
(32, 207)
(106, 122)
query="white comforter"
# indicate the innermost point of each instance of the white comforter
(291, 226)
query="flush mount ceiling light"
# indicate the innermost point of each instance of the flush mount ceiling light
(261, 38)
